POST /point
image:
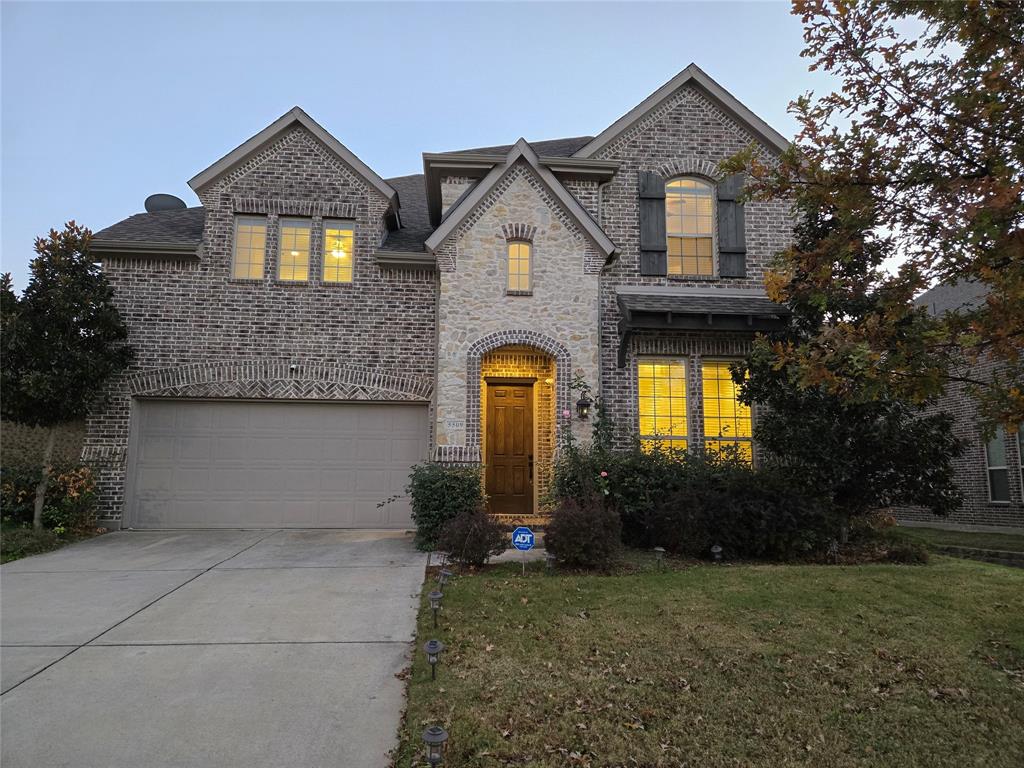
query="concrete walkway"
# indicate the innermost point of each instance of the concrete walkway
(211, 648)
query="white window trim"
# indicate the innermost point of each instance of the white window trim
(283, 222)
(714, 227)
(326, 224)
(685, 362)
(234, 244)
(989, 469)
(753, 410)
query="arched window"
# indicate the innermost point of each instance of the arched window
(689, 224)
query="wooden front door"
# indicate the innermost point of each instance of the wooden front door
(509, 459)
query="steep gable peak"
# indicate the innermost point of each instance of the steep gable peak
(695, 76)
(287, 121)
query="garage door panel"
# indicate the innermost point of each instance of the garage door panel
(270, 464)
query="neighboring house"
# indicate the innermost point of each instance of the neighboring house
(990, 472)
(312, 329)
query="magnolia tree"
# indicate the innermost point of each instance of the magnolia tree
(61, 342)
(911, 173)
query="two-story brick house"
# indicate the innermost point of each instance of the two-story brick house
(312, 330)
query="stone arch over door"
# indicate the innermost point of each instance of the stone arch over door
(520, 337)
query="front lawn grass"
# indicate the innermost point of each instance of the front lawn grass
(1006, 542)
(745, 665)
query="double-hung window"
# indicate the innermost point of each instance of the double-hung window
(995, 465)
(293, 251)
(250, 247)
(519, 268)
(689, 225)
(728, 426)
(339, 237)
(661, 390)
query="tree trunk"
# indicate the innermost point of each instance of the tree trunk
(44, 480)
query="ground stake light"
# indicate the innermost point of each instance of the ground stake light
(442, 576)
(716, 552)
(435, 737)
(435, 603)
(433, 650)
(549, 562)
(659, 557)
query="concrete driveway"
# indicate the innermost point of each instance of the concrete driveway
(208, 648)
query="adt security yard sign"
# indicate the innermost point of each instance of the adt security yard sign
(522, 539)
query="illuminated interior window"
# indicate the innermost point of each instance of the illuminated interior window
(689, 222)
(661, 388)
(250, 248)
(338, 243)
(519, 268)
(293, 254)
(727, 421)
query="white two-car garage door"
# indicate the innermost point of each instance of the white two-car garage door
(241, 464)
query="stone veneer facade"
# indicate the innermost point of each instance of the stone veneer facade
(476, 315)
(198, 332)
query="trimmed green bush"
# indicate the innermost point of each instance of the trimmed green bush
(70, 503)
(438, 494)
(472, 537)
(584, 533)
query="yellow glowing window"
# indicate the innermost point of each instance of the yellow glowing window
(293, 254)
(727, 421)
(689, 223)
(338, 243)
(661, 391)
(250, 248)
(519, 268)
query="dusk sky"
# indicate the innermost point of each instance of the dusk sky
(106, 103)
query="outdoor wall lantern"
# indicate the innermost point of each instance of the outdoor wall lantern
(716, 552)
(435, 603)
(433, 650)
(659, 557)
(435, 737)
(583, 406)
(442, 577)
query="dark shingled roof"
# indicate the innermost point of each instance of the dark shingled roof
(963, 294)
(181, 226)
(550, 148)
(701, 304)
(412, 200)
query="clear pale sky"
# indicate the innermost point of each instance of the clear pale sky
(106, 103)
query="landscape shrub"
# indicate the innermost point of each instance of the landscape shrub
(438, 494)
(472, 537)
(584, 532)
(70, 503)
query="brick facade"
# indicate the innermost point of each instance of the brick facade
(688, 135)
(198, 332)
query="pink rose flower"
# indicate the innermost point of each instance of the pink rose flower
(566, 414)
(604, 474)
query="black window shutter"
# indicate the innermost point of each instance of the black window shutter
(732, 244)
(653, 245)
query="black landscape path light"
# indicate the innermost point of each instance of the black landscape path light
(433, 650)
(716, 552)
(435, 603)
(442, 576)
(435, 738)
(549, 562)
(659, 557)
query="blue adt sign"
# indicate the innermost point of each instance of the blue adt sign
(522, 539)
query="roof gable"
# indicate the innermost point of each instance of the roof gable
(692, 75)
(473, 196)
(272, 132)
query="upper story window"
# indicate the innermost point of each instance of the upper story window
(689, 225)
(250, 247)
(727, 421)
(520, 279)
(339, 239)
(293, 253)
(998, 472)
(661, 390)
